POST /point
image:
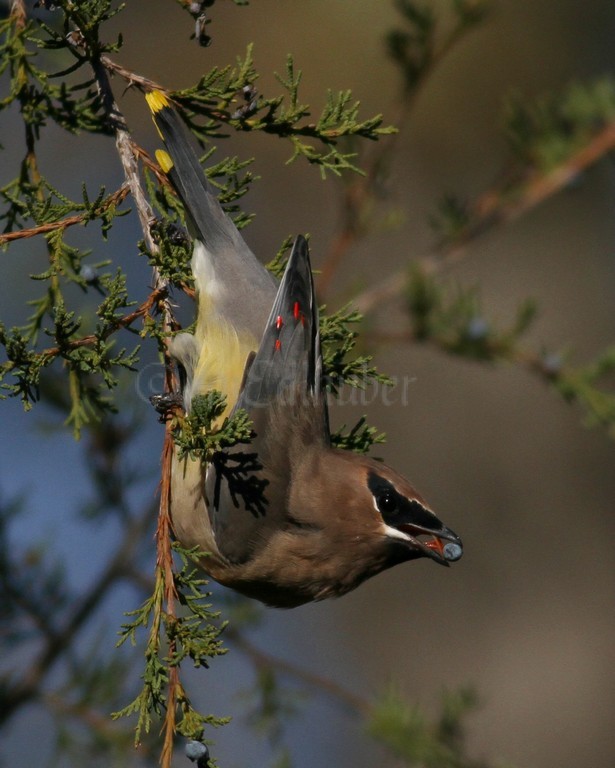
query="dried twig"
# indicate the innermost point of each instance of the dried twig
(359, 194)
(129, 155)
(42, 229)
(494, 208)
(262, 659)
(56, 642)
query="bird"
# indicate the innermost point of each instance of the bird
(288, 518)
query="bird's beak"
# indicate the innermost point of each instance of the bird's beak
(442, 544)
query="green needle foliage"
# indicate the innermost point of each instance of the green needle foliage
(454, 320)
(195, 635)
(406, 730)
(425, 36)
(546, 131)
(340, 362)
(199, 439)
(283, 115)
(84, 331)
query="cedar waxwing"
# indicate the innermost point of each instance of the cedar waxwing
(287, 518)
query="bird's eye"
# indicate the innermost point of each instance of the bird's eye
(387, 502)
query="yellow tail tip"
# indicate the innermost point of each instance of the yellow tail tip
(164, 160)
(156, 100)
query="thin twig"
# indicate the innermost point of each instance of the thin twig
(359, 194)
(143, 309)
(494, 208)
(19, 13)
(357, 704)
(164, 563)
(533, 362)
(30, 686)
(51, 226)
(129, 154)
(132, 78)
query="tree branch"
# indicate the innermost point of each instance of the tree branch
(495, 207)
(42, 229)
(56, 644)
(359, 194)
(356, 704)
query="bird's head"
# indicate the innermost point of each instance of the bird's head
(406, 520)
(368, 499)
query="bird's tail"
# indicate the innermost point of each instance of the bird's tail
(205, 217)
(234, 290)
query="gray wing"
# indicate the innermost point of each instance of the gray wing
(289, 357)
(282, 392)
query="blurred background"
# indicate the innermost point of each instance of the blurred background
(527, 615)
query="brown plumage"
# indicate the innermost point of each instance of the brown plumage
(287, 518)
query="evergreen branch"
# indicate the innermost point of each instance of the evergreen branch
(495, 207)
(164, 566)
(457, 326)
(165, 595)
(56, 643)
(145, 84)
(98, 211)
(359, 439)
(263, 660)
(418, 53)
(341, 365)
(195, 636)
(97, 721)
(23, 362)
(25, 365)
(200, 439)
(282, 116)
(406, 731)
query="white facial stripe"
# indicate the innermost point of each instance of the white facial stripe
(393, 533)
